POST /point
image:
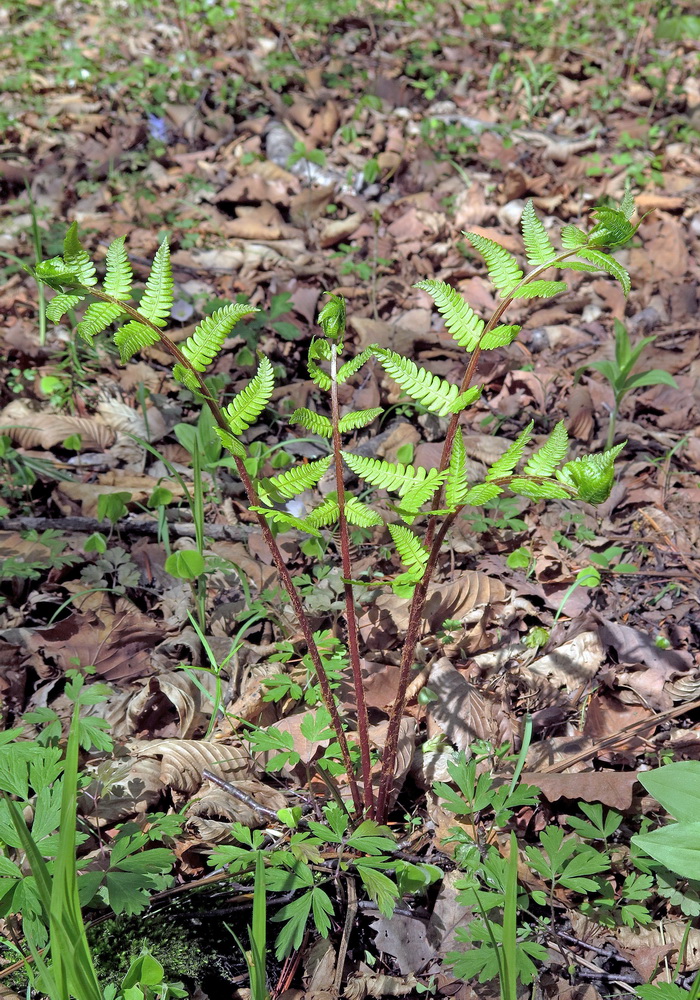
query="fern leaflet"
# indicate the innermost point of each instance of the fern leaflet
(414, 498)
(482, 493)
(537, 243)
(502, 266)
(360, 514)
(313, 421)
(507, 462)
(609, 264)
(326, 513)
(247, 406)
(433, 392)
(118, 273)
(572, 237)
(387, 476)
(353, 365)
(460, 319)
(413, 553)
(97, 317)
(456, 486)
(206, 341)
(353, 421)
(157, 299)
(540, 289)
(60, 304)
(287, 520)
(501, 336)
(294, 481)
(76, 258)
(538, 491)
(545, 460)
(133, 337)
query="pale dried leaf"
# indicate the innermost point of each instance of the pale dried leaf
(182, 761)
(32, 429)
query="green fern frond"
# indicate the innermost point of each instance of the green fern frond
(60, 304)
(118, 272)
(579, 265)
(206, 341)
(501, 336)
(539, 491)
(97, 317)
(413, 553)
(433, 392)
(77, 259)
(157, 299)
(294, 481)
(537, 242)
(456, 486)
(360, 514)
(230, 442)
(133, 337)
(388, 476)
(460, 319)
(572, 237)
(314, 422)
(540, 290)
(612, 229)
(502, 266)
(286, 520)
(545, 460)
(507, 462)
(482, 493)
(466, 398)
(326, 513)
(627, 205)
(609, 264)
(361, 418)
(353, 365)
(413, 499)
(591, 475)
(246, 407)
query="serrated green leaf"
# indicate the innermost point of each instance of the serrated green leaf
(97, 317)
(206, 341)
(460, 319)
(609, 264)
(538, 491)
(537, 243)
(466, 398)
(413, 553)
(548, 457)
(591, 475)
(287, 520)
(60, 304)
(540, 289)
(118, 273)
(379, 887)
(436, 394)
(456, 486)
(353, 365)
(573, 237)
(133, 337)
(501, 336)
(507, 462)
(361, 418)
(360, 514)
(482, 493)
(313, 421)
(502, 266)
(395, 478)
(294, 481)
(76, 258)
(249, 403)
(326, 513)
(157, 299)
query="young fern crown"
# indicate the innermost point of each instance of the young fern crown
(413, 490)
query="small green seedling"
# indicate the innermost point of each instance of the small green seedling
(619, 372)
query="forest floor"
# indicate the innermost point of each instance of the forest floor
(289, 151)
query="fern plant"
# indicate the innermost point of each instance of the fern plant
(433, 498)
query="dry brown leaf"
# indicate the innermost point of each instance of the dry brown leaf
(571, 665)
(336, 230)
(612, 788)
(470, 591)
(644, 946)
(462, 711)
(214, 802)
(32, 429)
(361, 985)
(152, 706)
(182, 761)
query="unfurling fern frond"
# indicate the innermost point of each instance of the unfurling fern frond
(246, 407)
(319, 350)
(456, 486)
(436, 394)
(413, 553)
(361, 418)
(388, 476)
(592, 475)
(133, 337)
(545, 460)
(157, 299)
(609, 264)
(76, 258)
(286, 520)
(540, 290)
(207, 339)
(502, 266)
(294, 481)
(313, 421)
(97, 318)
(510, 458)
(118, 272)
(501, 336)
(537, 243)
(353, 365)
(460, 319)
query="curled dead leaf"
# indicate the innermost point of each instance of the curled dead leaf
(39, 429)
(182, 761)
